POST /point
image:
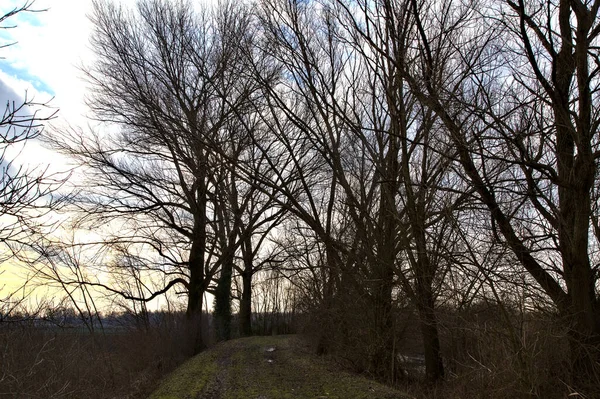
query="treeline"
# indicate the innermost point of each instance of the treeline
(67, 320)
(366, 162)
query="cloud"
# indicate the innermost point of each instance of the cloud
(7, 93)
(24, 75)
(48, 48)
(30, 154)
(44, 63)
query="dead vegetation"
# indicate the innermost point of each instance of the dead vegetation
(54, 362)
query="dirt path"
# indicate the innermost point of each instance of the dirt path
(266, 368)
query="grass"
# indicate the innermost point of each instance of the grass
(243, 368)
(64, 363)
(190, 379)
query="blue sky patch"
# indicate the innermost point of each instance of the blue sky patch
(24, 17)
(30, 18)
(24, 75)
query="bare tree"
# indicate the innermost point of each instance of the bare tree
(167, 79)
(515, 83)
(246, 217)
(388, 188)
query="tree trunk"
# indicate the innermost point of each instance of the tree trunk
(584, 343)
(246, 305)
(582, 315)
(195, 296)
(197, 283)
(384, 362)
(576, 175)
(223, 302)
(434, 367)
(245, 315)
(326, 318)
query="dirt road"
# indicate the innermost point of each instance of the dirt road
(266, 368)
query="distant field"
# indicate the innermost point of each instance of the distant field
(266, 368)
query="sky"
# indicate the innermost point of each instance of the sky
(49, 48)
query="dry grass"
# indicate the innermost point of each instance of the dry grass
(489, 351)
(65, 363)
(485, 357)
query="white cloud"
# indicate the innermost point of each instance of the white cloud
(44, 62)
(50, 48)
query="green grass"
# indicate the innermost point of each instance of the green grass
(240, 369)
(190, 380)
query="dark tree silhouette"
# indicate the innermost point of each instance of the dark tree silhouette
(516, 86)
(172, 87)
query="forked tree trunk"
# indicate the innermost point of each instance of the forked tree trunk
(576, 165)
